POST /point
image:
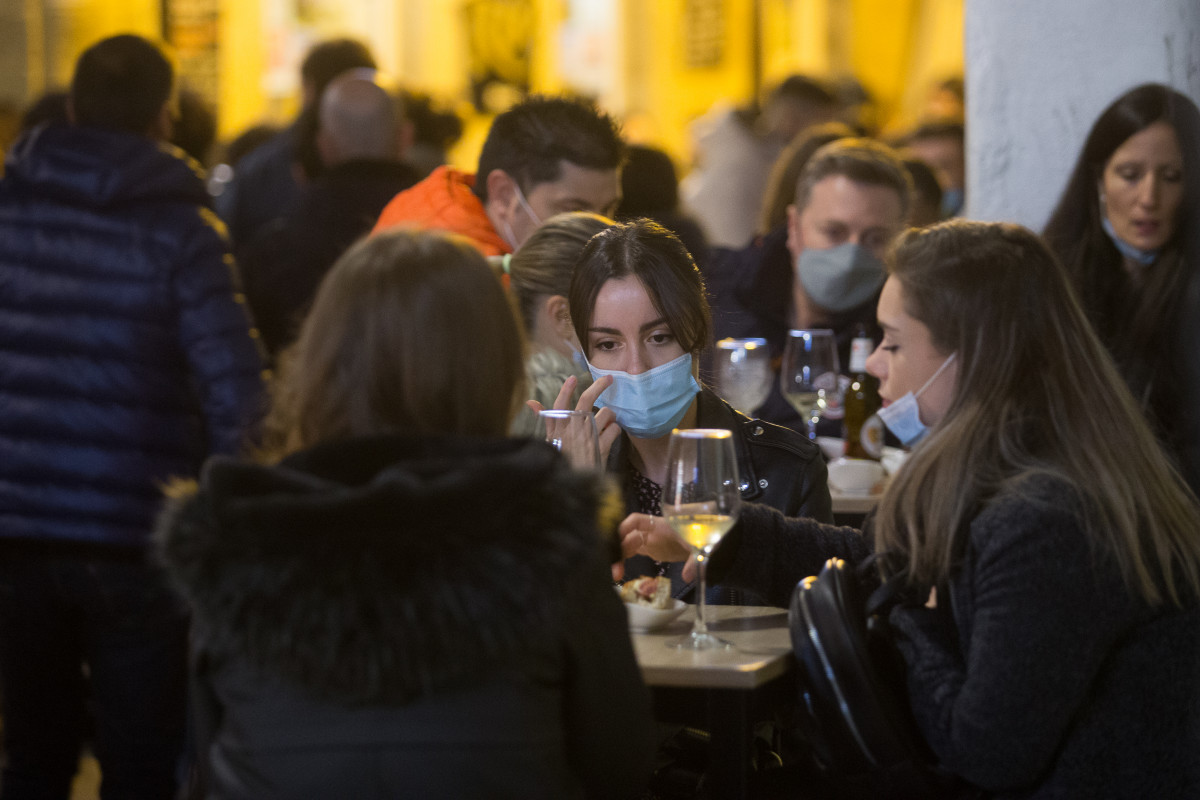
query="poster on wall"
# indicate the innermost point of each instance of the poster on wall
(192, 29)
(500, 40)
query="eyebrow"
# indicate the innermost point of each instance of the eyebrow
(886, 327)
(651, 324)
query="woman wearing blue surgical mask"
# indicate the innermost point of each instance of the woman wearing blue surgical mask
(539, 281)
(638, 304)
(1063, 546)
(1127, 228)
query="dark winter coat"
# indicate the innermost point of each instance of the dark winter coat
(422, 618)
(1048, 679)
(125, 356)
(285, 264)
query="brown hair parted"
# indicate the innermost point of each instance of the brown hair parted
(1037, 396)
(862, 161)
(410, 332)
(546, 261)
(655, 256)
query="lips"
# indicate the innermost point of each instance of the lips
(1147, 227)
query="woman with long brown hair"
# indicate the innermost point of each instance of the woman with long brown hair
(1060, 656)
(396, 600)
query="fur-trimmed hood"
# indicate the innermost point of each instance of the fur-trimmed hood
(384, 568)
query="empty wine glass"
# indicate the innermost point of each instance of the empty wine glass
(743, 373)
(809, 375)
(573, 433)
(701, 501)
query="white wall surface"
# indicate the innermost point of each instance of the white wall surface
(1038, 74)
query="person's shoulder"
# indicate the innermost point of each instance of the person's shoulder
(760, 433)
(757, 433)
(1037, 504)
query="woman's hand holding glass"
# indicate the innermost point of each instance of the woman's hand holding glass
(606, 426)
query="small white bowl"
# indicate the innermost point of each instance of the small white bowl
(831, 446)
(893, 459)
(645, 618)
(855, 475)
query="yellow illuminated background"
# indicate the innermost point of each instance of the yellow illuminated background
(656, 64)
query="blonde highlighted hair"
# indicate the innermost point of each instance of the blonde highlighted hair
(1037, 396)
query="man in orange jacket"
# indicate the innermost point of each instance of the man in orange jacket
(544, 156)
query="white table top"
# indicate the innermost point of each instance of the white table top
(852, 503)
(763, 650)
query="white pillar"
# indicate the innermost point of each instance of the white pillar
(1039, 72)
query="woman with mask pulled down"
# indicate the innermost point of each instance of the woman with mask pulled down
(638, 305)
(539, 281)
(1127, 228)
(1051, 603)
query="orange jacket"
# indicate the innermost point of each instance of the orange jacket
(444, 201)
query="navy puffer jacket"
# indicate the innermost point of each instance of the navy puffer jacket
(125, 355)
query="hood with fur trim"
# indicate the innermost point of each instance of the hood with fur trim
(382, 569)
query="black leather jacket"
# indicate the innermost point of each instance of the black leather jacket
(777, 467)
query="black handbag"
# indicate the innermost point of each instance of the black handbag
(855, 711)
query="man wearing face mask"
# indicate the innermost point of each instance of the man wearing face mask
(544, 156)
(851, 201)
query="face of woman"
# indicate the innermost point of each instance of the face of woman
(906, 358)
(627, 333)
(1142, 187)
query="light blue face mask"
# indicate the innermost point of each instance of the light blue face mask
(648, 405)
(1143, 257)
(952, 202)
(903, 417)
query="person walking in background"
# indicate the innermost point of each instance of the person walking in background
(1127, 227)
(362, 138)
(544, 156)
(735, 150)
(396, 600)
(127, 360)
(265, 184)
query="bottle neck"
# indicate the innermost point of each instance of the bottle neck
(860, 350)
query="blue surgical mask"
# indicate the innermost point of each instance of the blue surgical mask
(952, 202)
(903, 417)
(840, 278)
(648, 405)
(1143, 257)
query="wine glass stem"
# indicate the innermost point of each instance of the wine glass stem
(701, 626)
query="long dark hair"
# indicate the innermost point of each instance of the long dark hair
(656, 257)
(1136, 323)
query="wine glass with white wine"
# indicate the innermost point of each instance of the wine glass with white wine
(743, 373)
(701, 501)
(809, 374)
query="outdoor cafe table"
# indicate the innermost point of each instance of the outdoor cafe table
(725, 692)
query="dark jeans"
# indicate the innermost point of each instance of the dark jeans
(91, 640)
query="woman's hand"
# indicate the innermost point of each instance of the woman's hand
(606, 421)
(642, 534)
